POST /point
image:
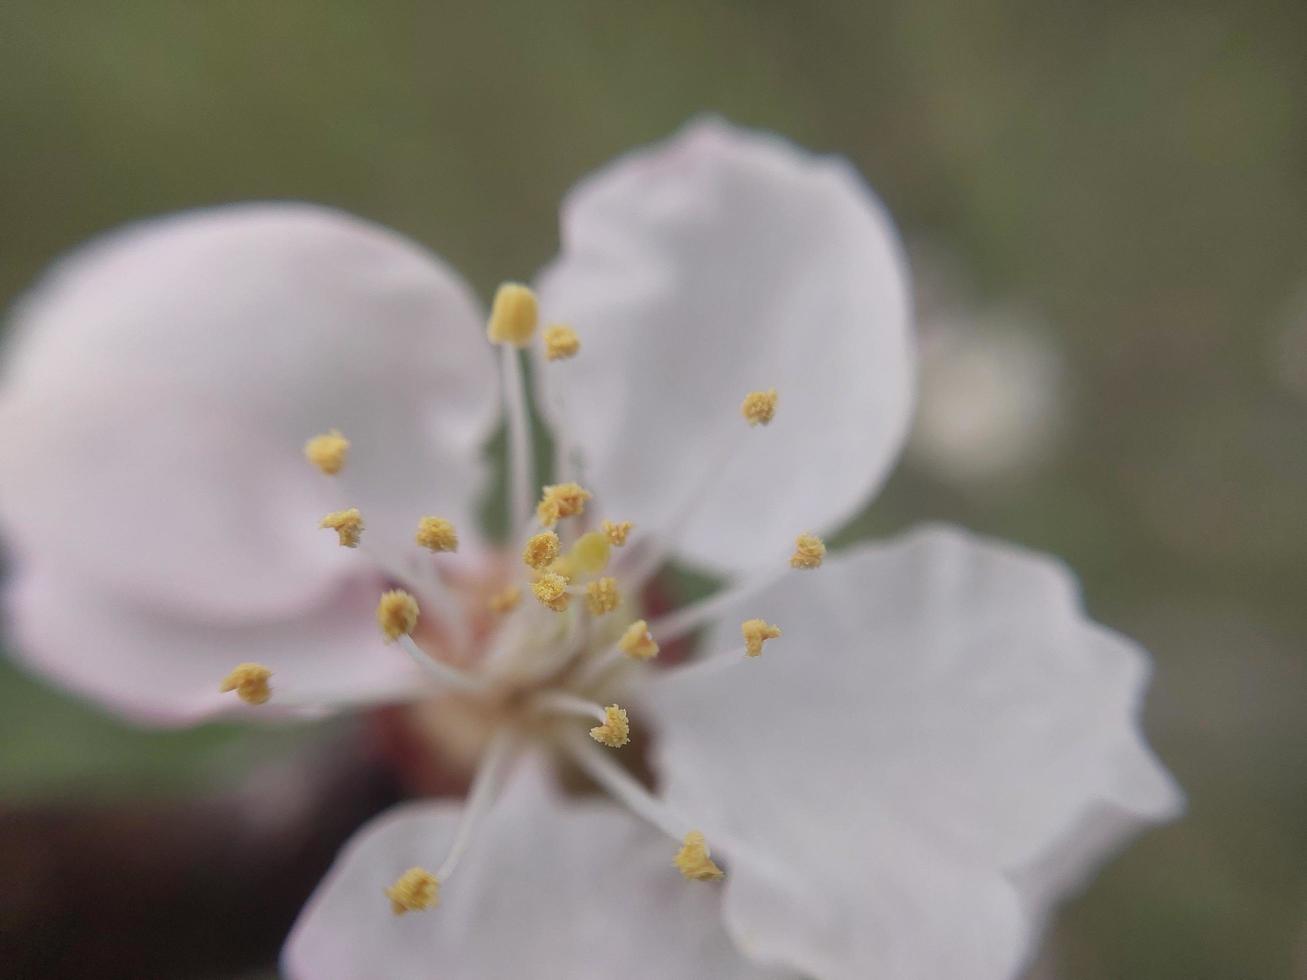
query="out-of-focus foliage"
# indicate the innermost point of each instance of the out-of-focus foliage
(1134, 173)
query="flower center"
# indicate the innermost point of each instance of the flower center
(553, 637)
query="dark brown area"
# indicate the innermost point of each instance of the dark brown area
(204, 888)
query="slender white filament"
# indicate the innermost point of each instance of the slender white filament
(687, 619)
(656, 549)
(441, 671)
(480, 798)
(605, 771)
(521, 472)
(711, 664)
(560, 702)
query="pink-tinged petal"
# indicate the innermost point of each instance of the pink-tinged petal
(938, 703)
(158, 669)
(160, 384)
(551, 889)
(719, 263)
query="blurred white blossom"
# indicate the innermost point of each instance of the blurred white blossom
(992, 399)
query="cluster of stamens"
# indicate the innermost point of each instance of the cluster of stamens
(560, 561)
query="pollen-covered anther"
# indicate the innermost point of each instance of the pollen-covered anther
(397, 614)
(250, 682)
(416, 889)
(809, 550)
(616, 729)
(601, 596)
(561, 500)
(561, 342)
(505, 600)
(551, 589)
(617, 532)
(756, 632)
(513, 315)
(541, 549)
(694, 861)
(436, 534)
(637, 642)
(348, 525)
(759, 406)
(589, 555)
(328, 452)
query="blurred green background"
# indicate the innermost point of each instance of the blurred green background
(1132, 177)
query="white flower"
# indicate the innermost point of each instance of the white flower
(991, 398)
(899, 759)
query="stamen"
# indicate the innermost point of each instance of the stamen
(397, 614)
(559, 501)
(756, 632)
(561, 342)
(541, 549)
(551, 589)
(480, 797)
(616, 729)
(704, 666)
(250, 682)
(521, 465)
(617, 531)
(693, 860)
(436, 534)
(348, 525)
(590, 553)
(608, 773)
(513, 315)
(637, 642)
(505, 600)
(441, 671)
(328, 452)
(416, 889)
(601, 596)
(809, 550)
(759, 406)
(674, 625)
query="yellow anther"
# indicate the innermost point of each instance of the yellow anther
(590, 553)
(617, 531)
(437, 534)
(250, 682)
(348, 525)
(601, 596)
(637, 642)
(397, 614)
(505, 600)
(548, 512)
(757, 632)
(551, 590)
(541, 549)
(759, 406)
(693, 860)
(561, 342)
(559, 501)
(616, 729)
(327, 452)
(416, 889)
(513, 315)
(809, 550)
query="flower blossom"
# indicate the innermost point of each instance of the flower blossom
(886, 761)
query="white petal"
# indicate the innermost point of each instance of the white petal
(161, 382)
(941, 697)
(550, 889)
(164, 670)
(712, 265)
